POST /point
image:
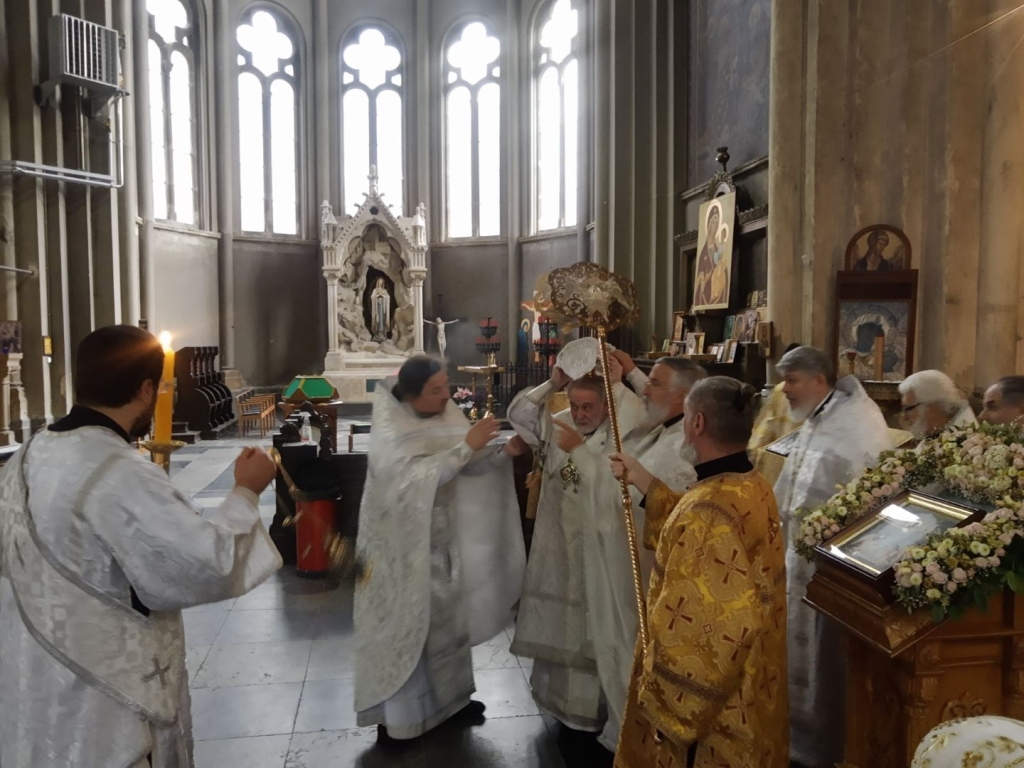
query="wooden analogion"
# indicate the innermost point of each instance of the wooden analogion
(906, 674)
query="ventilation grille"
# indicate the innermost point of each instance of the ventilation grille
(83, 53)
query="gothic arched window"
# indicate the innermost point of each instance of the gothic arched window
(472, 111)
(268, 116)
(172, 109)
(372, 116)
(556, 109)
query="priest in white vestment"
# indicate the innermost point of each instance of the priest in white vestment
(578, 618)
(658, 442)
(99, 553)
(441, 537)
(843, 433)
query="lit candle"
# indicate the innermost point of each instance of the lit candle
(165, 398)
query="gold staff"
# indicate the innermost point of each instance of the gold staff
(591, 295)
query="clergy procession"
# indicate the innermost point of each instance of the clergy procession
(700, 652)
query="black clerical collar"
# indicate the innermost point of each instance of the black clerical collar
(81, 416)
(735, 462)
(673, 421)
(824, 404)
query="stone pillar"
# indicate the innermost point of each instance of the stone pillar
(601, 95)
(144, 166)
(8, 280)
(224, 34)
(14, 425)
(786, 171)
(131, 296)
(514, 133)
(417, 300)
(422, 128)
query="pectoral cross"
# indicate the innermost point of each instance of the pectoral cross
(158, 671)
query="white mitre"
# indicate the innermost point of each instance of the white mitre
(994, 742)
(581, 357)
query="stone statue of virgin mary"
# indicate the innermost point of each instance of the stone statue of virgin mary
(380, 311)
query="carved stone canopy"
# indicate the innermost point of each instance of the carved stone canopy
(361, 252)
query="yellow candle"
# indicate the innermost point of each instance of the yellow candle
(165, 398)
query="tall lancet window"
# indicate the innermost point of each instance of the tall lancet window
(268, 116)
(473, 132)
(371, 116)
(556, 72)
(172, 109)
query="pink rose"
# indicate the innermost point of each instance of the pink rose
(901, 471)
(916, 567)
(1018, 463)
(931, 569)
(959, 574)
(835, 528)
(993, 562)
(886, 490)
(951, 587)
(876, 492)
(1006, 538)
(940, 578)
(981, 562)
(1000, 552)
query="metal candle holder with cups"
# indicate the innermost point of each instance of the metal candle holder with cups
(487, 344)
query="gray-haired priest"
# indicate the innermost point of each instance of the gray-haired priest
(578, 617)
(99, 554)
(842, 434)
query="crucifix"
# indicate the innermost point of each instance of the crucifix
(442, 339)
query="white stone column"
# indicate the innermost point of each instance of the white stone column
(333, 360)
(417, 303)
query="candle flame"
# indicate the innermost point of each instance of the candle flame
(165, 340)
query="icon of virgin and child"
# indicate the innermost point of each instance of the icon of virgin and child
(712, 276)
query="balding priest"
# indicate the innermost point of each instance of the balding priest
(577, 618)
(1004, 401)
(842, 434)
(99, 553)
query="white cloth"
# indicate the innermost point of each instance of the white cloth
(836, 443)
(990, 741)
(440, 532)
(113, 522)
(578, 616)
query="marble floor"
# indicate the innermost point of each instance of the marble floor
(271, 673)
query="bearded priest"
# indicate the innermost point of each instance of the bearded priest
(577, 618)
(99, 553)
(709, 689)
(843, 433)
(657, 441)
(440, 534)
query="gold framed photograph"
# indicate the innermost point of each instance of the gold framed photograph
(678, 326)
(874, 544)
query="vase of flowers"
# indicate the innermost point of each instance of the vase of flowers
(465, 399)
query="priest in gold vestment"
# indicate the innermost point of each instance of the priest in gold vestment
(709, 689)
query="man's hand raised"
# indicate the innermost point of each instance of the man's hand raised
(481, 433)
(568, 438)
(254, 469)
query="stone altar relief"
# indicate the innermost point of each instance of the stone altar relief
(374, 264)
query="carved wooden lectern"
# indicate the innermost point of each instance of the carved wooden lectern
(906, 674)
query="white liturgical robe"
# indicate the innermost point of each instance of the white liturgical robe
(578, 616)
(840, 439)
(86, 525)
(440, 533)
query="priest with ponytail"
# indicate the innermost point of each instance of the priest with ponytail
(709, 688)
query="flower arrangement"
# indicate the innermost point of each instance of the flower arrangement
(959, 567)
(464, 398)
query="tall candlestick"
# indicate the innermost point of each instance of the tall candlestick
(165, 398)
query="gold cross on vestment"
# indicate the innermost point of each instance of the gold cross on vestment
(158, 671)
(737, 643)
